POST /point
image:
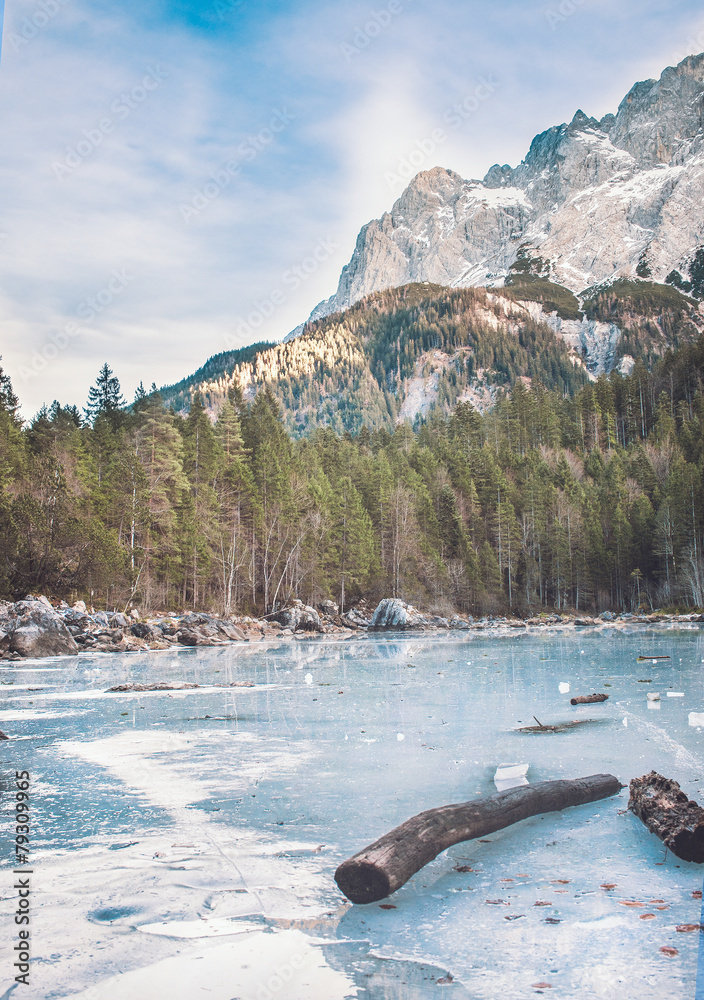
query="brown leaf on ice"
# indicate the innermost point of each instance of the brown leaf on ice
(560, 881)
(541, 902)
(670, 952)
(665, 907)
(523, 875)
(608, 885)
(387, 906)
(629, 902)
(497, 902)
(505, 880)
(656, 900)
(542, 986)
(697, 894)
(552, 920)
(647, 916)
(445, 979)
(463, 868)
(685, 928)
(514, 916)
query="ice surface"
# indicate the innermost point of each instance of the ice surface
(185, 842)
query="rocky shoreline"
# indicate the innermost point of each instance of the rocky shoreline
(35, 628)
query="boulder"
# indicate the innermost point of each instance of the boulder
(355, 617)
(230, 631)
(394, 614)
(458, 623)
(299, 618)
(189, 638)
(35, 630)
(80, 606)
(194, 619)
(143, 631)
(329, 608)
(119, 620)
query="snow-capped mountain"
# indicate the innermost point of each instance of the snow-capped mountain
(597, 200)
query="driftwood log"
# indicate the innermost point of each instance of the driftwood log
(389, 862)
(589, 699)
(668, 813)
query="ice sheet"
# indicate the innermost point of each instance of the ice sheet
(186, 845)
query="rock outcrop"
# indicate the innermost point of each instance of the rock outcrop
(394, 614)
(32, 628)
(299, 618)
(596, 199)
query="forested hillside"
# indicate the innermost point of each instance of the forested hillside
(545, 501)
(412, 352)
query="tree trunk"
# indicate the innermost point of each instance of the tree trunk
(667, 812)
(589, 699)
(387, 864)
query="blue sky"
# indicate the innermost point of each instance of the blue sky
(173, 170)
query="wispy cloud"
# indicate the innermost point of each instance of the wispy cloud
(225, 70)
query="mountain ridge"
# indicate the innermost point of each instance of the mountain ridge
(401, 354)
(596, 198)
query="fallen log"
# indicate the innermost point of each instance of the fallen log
(384, 866)
(668, 813)
(589, 699)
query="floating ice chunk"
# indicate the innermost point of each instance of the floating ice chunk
(400, 737)
(653, 696)
(625, 722)
(655, 706)
(696, 718)
(564, 687)
(308, 678)
(675, 694)
(510, 776)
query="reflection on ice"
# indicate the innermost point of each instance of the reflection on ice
(209, 822)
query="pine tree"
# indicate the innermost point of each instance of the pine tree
(105, 399)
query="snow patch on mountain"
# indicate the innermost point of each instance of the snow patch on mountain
(594, 198)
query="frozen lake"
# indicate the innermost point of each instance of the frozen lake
(185, 842)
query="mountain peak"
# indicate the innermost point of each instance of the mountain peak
(598, 200)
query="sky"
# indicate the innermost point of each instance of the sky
(183, 178)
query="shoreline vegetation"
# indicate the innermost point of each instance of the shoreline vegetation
(546, 503)
(34, 628)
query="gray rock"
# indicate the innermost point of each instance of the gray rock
(590, 196)
(355, 616)
(34, 629)
(230, 631)
(299, 618)
(458, 623)
(329, 608)
(118, 620)
(394, 614)
(143, 631)
(190, 638)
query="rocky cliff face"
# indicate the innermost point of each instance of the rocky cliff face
(598, 200)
